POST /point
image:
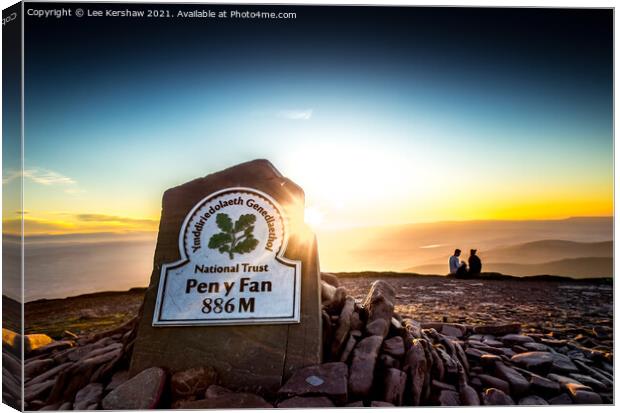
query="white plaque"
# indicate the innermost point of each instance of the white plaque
(232, 268)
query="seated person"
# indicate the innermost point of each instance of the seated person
(457, 267)
(475, 265)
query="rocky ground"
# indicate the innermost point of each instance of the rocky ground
(578, 310)
(84, 314)
(397, 341)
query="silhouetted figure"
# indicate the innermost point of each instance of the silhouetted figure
(462, 271)
(457, 267)
(475, 265)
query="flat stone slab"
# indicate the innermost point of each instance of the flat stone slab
(226, 401)
(516, 339)
(192, 383)
(537, 361)
(498, 329)
(533, 400)
(496, 397)
(562, 364)
(329, 379)
(518, 384)
(361, 372)
(308, 402)
(143, 391)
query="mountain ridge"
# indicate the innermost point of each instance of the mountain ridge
(582, 267)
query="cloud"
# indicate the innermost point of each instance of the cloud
(70, 223)
(14, 226)
(9, 176)
(47, 177)
(431, 246)
(40, 176)
(305, 114)
(113, 218)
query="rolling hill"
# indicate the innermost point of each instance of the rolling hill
(538, 252)
(394, 248)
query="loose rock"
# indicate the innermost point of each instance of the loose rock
(88, 398)
(544, 386)
(348, 349)
(515, 339)
(496, 397)
(344, 325)
(561, 399)
(227, 401)
(378, 327)
(417, 367)
(449, 398)
(378, 403)
(562, 364)
(533, 400)
(394, 386)
(35, 341)
(394, 346)
(590, 382)
(192, 383)
(362, 368)
(308, 402)
(36, 367)
(518, 384)
(330, 279)
(536, 361)
(328, 379)
(583, 394)
(143, 391)
(498, 330)
(494, 382)
(380, 303)
(117, 379)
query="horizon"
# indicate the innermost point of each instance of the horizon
(57, 263)
(150, 233)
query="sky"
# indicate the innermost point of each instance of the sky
(384, 116)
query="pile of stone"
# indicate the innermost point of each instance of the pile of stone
(402, 362)
(72, 373)
(372, 357)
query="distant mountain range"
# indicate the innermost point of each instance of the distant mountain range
(549, 250)
(576, 247)
(64, 265)
(546, 257)
(588, 267)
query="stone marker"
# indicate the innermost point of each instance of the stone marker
(235, 282)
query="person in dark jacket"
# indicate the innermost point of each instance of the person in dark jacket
(475, 265)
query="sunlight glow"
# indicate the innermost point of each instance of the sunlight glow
(313, 217)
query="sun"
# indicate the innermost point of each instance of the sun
(313, 217)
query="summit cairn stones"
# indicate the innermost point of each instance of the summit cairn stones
(235, 282)
(380, 305)
(329, 379)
